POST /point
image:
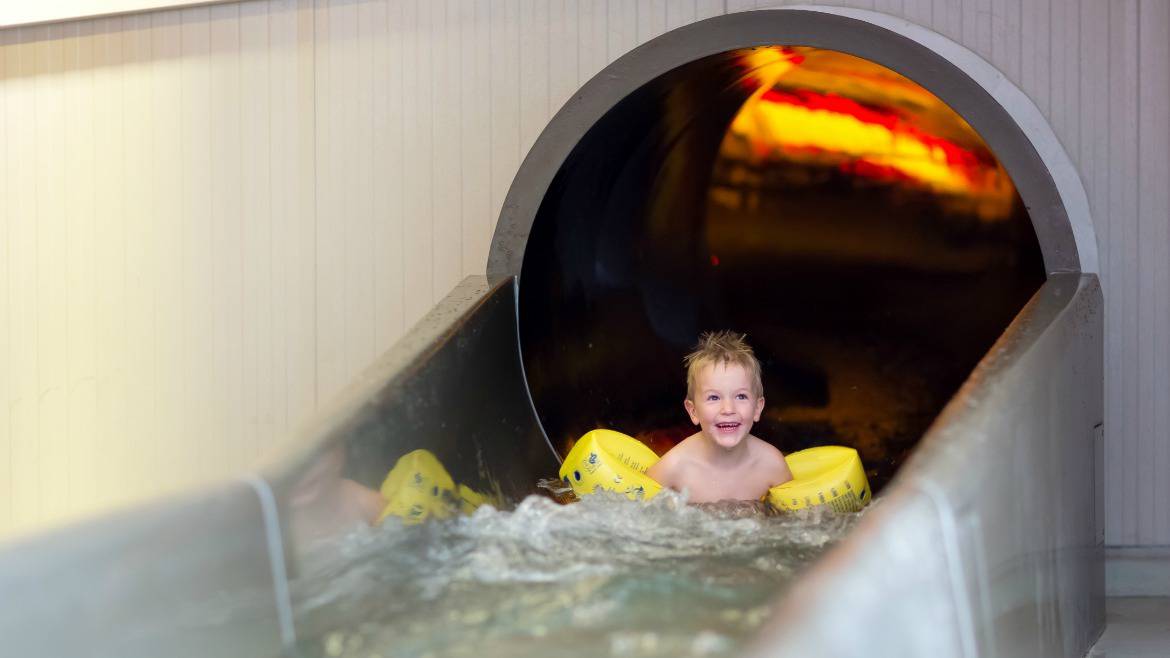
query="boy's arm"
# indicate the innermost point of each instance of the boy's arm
(778, 471)
(663, 470)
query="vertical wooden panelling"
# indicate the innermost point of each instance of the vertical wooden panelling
(109, 263)
(1059, 45)
(534, 71)
(1070, 92)
(1094, 118)
(302, 348)
(358, 219)
(22, 249)
(680, 13)
(166, 214)
(593, 38)
(7, 218)
(976, 20)
(1035, 62)
(256, 326)
(1005, 37)
(198, 243)
(1153, 317)
(563, 52)
(448, 76)
(1121, 411)
(650, 19)
(622, 28)
(334, 29)
(280, 85)
(947, 16)
(708, 9)
(52, 328)
(891, 7)
(225, 225)
(919, 11)
(504, 101)
(388, 166)
(475, 125)
(417, 160)
(139, 264)
(359, 280)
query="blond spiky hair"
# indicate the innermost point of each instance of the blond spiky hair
(723, 347)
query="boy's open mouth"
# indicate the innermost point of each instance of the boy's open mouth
(726, 427)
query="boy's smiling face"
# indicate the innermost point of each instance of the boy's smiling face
(724, 404)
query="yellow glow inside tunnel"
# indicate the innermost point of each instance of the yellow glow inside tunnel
(825, 109)
(792, 126)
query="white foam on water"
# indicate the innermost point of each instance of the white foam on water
(604, 576)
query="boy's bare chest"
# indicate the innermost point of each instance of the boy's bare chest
(742, 483)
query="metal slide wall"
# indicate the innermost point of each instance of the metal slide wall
(987, 542)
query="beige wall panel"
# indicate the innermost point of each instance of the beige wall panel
(388, 165)
(1005, 36)
(1121, 281)
(301, 379)
(418, 120)
(593, 38)
(534, 53)
(447, 72)
(1035, 55)
(562, 55)
(51, 275)
(475, 164)
(256, 325)
(21, 261)
(1153, 316)
(140, 264)
(214, 217)
(918, 11)
(167, 403)
(504, 99)
(330, 176)
(7, 217)
(224, 441)
(621, 28)
(681, 12)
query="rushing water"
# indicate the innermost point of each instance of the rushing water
(604, 576)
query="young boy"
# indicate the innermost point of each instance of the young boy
(722, 461)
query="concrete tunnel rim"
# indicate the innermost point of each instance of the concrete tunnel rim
(1000, 112)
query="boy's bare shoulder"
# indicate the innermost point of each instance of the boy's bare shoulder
(764, 450)
(667, 467)
(771, 460)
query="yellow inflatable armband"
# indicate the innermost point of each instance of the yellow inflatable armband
(418, 487)
(470, 499)
(612, 461)
(826, 475)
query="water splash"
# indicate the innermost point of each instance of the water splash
(604, 576)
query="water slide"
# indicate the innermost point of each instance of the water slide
(988, 536)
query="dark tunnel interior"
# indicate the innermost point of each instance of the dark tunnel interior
(851, 224)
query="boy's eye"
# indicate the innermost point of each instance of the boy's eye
(712, 398)
(741, 396)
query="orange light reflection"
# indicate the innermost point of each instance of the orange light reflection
(888, 144)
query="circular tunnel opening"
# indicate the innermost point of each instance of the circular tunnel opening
(857, 229)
